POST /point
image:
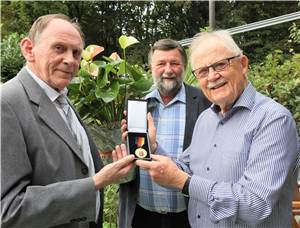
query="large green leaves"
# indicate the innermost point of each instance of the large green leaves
(108, 93)
(101, 87)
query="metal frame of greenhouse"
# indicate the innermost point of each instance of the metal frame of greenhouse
(256, 25)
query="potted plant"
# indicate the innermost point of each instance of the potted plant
(100, 89)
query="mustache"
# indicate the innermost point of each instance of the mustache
(216, 84)
(168, 76)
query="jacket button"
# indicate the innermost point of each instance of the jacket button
(74, 220)
(84, 171)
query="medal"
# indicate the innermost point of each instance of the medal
(140, 152)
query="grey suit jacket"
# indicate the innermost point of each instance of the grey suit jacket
(44, 181)
(196, 102)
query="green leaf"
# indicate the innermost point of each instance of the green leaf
(135, 72)
(124, 80)
(142, 85)
(108, 94)
(102, 80)
(101, 64)
(126, 41)
(82, 73)
(108, 68)
(122, 69)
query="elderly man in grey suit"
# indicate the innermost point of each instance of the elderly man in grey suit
(51, 174)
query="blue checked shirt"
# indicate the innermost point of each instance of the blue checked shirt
(170, 124)
(242, 165)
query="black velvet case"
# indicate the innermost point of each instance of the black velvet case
(137, 139)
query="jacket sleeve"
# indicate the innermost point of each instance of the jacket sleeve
(24, 204)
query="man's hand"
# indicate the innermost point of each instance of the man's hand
(119, 168)
(164, 171)
(124, 131)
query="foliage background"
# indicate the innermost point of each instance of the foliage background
(103, 22)
(11, 57)
(273, 52)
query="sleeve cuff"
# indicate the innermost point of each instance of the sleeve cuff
(200, 188)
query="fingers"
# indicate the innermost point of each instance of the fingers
(119, 152)
(144, 164)
(114, 156)
(123, 122)
(125, 170)
(124, 150)
(126, 160)
(156, 157)
(124, 129)
(124, 136)
(150, 164)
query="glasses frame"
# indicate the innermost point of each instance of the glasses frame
(214, 65)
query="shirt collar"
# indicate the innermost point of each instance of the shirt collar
(50, 92)
(180, 96)
(245, 100)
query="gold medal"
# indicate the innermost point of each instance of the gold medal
(140, 153)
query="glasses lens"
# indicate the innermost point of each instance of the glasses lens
(201, 72)
(218, 66)
(221, 65)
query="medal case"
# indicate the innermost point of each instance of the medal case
(137, 138)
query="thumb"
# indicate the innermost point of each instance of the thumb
(126, 160)
(156, 157)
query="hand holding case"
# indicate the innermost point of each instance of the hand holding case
(137, 138)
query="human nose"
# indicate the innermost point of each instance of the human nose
(69, 57)
(168, 68)
(212, 74)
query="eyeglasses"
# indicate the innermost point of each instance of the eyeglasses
(219, 66)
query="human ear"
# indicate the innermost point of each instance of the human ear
(245, 64)
(26, 46)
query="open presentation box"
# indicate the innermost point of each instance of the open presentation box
(137, 139)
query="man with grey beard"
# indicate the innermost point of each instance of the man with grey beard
(175, 107)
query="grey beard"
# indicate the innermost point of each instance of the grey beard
(169, 89)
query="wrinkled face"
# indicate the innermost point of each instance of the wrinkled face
(55, 56)
(167, 71)
(224, 87)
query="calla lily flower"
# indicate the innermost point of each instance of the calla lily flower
(126, 41)
(114, 56)
(91, 51)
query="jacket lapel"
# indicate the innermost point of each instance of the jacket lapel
(45, 106)
(94, 150)
(195, 104)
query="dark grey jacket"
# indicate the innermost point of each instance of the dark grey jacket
(44, 180)
(196, 102)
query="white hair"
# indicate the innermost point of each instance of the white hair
(224, 38)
